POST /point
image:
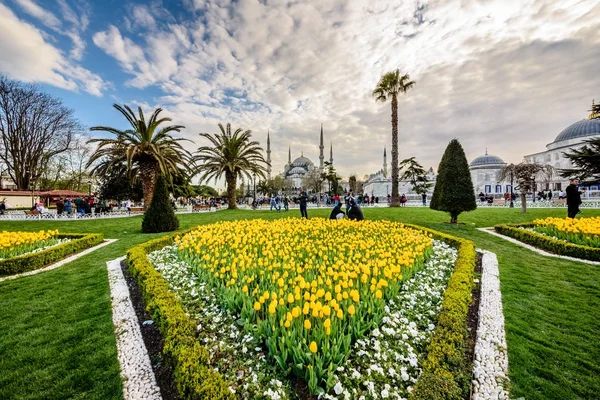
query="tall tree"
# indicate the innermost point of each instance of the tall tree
(146, 148)
(390, 86)
(35, 127)
(232, 154)
(414, 172)
(313, 181)
(116, 184)
(526, 175)
(586, 161)
(453, 190)
(331, 176)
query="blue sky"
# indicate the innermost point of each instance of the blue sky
(508, 75)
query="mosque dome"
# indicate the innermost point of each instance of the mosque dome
(297, 170)
(580, 129)
(486, 159)
(302, 162)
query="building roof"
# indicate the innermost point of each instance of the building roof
(583, 128)
(63, 193)
(18, 193)
(486, 159)
(301, 162)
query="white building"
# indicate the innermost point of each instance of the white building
(379, 184)
(572, 137)
(485, 174)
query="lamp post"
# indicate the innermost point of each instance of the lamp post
(89, 182)
(31, 184)
(254, 191)
(512, 196)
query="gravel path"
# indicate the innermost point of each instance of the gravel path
(491, 359)
(136, 370)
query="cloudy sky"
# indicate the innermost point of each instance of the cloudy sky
(508, 75)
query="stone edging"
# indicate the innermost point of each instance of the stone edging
(490, 370)
(535, 249)
(136, 370)
(60, 263)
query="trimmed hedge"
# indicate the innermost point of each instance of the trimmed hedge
(447, 368)
(547, 243)
(40, 259)
(194, 377)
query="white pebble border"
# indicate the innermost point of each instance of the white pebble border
(491, 231)
(136, 370)
(60, 263)
(490, 370)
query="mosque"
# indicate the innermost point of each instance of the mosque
(485, 169)
(295, 171)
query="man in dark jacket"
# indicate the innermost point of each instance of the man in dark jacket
(336, 212)
(303, 203)
(355, 213)
(573, 198)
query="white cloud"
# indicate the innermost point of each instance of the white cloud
(482, 69)
(26, 55)
(78, 23)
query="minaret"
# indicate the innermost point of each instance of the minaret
(384, 163)
(321, 148)
(331, 155)
(290, 155)
(268, 156)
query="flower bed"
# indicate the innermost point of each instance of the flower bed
(581, 231)
(545, 238)
(51, 247)
(13, 244)
(401, 318)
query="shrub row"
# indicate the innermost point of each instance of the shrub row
(37, 260)
(447, 367)
(547, 243)
(192, 373)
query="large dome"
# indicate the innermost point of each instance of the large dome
(486, 159)
(583, 128)
(297, 170)
(301, 162)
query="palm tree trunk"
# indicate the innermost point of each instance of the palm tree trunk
(395, 198)
(231, 180)
(148, 171)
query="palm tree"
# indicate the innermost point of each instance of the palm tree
(390, 86)
(232, 154)
(145, 149)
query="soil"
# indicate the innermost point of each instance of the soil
(152, 339)
(473, 314)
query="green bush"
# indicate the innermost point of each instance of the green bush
(547, 243)
(453, 191)
(160, 217)
(446, 369)
(40, 259)
(192, 372)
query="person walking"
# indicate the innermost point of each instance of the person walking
(60, 206)
(424, 197)
(303, 203)
(573, 198)
(550, 195)
(272, 204)
(2, 207)
(286, 203)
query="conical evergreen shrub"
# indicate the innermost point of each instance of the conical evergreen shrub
(453, 190)
(160, 217)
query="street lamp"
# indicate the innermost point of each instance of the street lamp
(254, 191)
(30, 179)
(89, 182)
(512, 196)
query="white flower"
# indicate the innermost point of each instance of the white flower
(338, 388)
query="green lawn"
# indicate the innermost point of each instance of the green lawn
(56, 337)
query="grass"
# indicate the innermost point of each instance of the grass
(56, 335)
